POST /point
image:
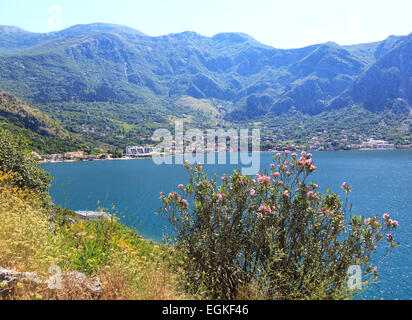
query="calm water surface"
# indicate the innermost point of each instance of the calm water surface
(381, 180)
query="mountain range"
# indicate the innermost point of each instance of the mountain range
(120, 77)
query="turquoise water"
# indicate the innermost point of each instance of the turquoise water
(381, 180)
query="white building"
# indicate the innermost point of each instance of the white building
(139, 151)
(379, 144)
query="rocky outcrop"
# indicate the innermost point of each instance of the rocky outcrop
(72, 280)
(9, 279)
(77, 280)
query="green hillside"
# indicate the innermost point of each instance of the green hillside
(113, 85)
(46, 135)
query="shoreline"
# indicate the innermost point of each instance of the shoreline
(181, 154)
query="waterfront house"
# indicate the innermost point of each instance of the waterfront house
(379, 144)
(74, 155)
(136, 151)
(53, 157)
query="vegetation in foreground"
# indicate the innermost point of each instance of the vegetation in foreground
(274, 236)
(37, 237)
(271, 237)
(34, 238)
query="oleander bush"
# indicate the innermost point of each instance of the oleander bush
(274, 236)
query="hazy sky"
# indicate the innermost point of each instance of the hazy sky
(282, 24)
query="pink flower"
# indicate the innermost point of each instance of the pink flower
(265, 209)
(303, 154)
(187, 165)
(367, 221)
(309, 162)
(309, 155)
(276, 174)
(294, 154)
(272, 165)
(325, 211)
(394, 223)
(313, 168)
(343, 186)
(184, 202)
(219, 196)
(252, 192)
(286, 193)
(264, 179)
(287, 152)
(180, 186)
(386, 216)
(389, 236)
(310, 194)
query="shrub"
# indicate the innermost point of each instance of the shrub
(273, 237)
(15, 157)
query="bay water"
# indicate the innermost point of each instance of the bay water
(381, 181)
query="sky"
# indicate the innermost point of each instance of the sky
(278, 23)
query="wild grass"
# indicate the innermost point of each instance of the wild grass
(128, 266)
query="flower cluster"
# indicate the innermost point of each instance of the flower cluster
(263, 179)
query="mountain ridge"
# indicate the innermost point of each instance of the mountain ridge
(113, 65)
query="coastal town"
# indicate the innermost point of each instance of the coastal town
(267, 145)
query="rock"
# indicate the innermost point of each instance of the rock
(78, 280)
(73, 279)
(7, 282)
(9, 279)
